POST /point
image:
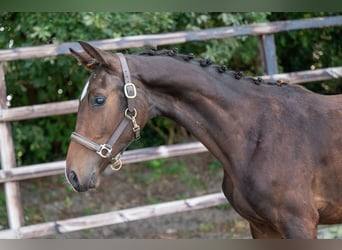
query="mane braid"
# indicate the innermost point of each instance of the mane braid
(207, 63)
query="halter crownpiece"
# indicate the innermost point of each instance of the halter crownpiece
(130, 114)
(130, 92)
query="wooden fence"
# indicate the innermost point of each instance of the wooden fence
(10, 175)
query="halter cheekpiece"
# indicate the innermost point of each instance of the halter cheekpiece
(130, 114)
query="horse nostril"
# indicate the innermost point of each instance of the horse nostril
(73, 179)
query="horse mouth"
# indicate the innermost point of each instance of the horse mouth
(92, 181)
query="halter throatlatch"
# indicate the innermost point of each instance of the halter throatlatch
(130, 114)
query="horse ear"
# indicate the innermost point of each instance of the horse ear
(93, 56)
(84, 59)
(100, 56)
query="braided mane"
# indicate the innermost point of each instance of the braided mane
(205, 63)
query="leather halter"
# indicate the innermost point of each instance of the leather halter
(105, 150)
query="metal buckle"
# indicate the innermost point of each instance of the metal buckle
(104, 150)
(130, 90)
(117, 164)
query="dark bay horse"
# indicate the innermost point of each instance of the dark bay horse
(280, 146)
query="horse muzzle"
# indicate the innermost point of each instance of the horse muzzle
(80, 186)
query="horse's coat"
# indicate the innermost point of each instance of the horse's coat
(280, 146)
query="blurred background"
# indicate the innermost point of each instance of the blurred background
(60, 78)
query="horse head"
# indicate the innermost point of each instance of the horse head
(112, 109)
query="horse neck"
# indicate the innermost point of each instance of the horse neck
(208, 104)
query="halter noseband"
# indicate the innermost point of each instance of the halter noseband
(105, 150)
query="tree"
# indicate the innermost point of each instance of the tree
(61, 78)
(310, 49)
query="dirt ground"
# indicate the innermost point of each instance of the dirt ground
(51, 198)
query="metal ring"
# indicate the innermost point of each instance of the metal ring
(131, 116)
(117, 164)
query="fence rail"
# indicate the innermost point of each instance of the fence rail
(130, 156)
(258, 29)
(69, 107)
(115, 217)
(10, 175)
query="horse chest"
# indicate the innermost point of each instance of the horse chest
(238, 200)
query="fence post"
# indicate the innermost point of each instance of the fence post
(268, 54)
(12, 189)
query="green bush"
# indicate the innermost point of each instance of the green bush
(60, 78)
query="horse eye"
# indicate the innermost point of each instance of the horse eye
(99, 100)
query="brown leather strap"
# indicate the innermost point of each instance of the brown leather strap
(128, 81)
(105, 150)
(98, 147)
(118, 131)
(125, 69)
(84, 141)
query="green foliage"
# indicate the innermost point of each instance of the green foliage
(214, 165)
(239, 53)
(333, 232)
(3, 211)
(60, 78)
(310, 49)
(207, 226)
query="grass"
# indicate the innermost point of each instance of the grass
(214, 166)
(174, 168)
(165, 168)
(224, 206)
(206, 227)
(146, 179)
